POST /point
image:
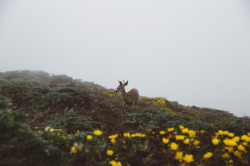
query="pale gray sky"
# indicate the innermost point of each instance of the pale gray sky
(196, 52)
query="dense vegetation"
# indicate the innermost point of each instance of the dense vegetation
(56, 120)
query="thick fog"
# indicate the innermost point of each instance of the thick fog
(196, 52)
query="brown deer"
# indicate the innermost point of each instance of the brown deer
(129, 98)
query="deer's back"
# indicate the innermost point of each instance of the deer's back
(133, 93)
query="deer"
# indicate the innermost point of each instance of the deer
(129, 98)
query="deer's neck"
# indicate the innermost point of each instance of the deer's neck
(123, 93)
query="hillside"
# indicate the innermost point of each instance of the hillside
(57, 120)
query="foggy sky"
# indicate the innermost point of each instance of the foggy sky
(196, 52)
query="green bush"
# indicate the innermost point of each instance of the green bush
(71, 122)
(4, 102)
(21, 146)
(68, 97)
(18, 92)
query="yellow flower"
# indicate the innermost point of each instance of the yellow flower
(220, 132)
(245, 138)
(89, 137)
(170, 129)
(115, 163)
(73, 149)
(181, 127)
(215, 141)
(98, 132)
(165, 140)
(202, 131)
(242, 148)
(126, 135)
(186, 141)
(179, 156)
(191, 133)
(229, 142)
(236, 138)
(110, 152)
(174, 146)
(225, 132)
(162, 132)
(113, 140)
(229, 149)
(226, 155)
(179, 137)
(207, 155)
(231, 134)
(196, 142)
(113, 136)
(185, 130)
(237, 153)
(188, 158)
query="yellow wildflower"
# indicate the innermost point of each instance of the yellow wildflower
(196, 142)
(242, 148)
(229, 149)
(225, 132)
(226, 155)
(186, 141)
(170, 129)
(174, 146)
(245, 138)
(73, 149)
(179, 137)
(236, 138)
(165, 140)
(162, 132)
(89, 137)
(202, 131)
(207, 155)
(229, 142)
(126, 135)
(115, 163)
(245, 143)
(113, 141)
(181, 127)
(215, 141)
(237, 153)
(231, 134)
(188, 158)
(110, 152)
(185, 130)
(220, 132)
(191, 133)
(98, 132)
(113, 136)
(179, 156)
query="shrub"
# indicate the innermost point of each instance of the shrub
(21, 146)
(17, 92)
(72, 122)
(68, 97)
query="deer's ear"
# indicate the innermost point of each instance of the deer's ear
(120, 82)
(126, 83)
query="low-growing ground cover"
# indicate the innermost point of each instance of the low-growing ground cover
(75, 125)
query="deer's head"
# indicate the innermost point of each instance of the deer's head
(121, 86)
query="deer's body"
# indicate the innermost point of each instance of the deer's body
(129, 98)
